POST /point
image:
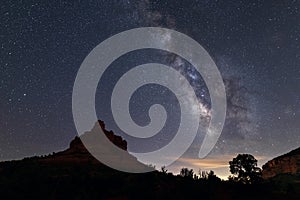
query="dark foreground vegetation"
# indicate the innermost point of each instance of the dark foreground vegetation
(31, 179)
(75, 174)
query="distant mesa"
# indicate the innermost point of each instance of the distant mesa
(78, 155)
(77, 152)
(285, 164)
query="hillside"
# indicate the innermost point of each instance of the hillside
(285, 164)
(75, 174)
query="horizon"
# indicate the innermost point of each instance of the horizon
(220, 166)
(186, 84)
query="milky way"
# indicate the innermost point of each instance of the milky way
(256, 46)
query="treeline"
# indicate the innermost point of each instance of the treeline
(82, 180)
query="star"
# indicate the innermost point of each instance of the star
(41, 55)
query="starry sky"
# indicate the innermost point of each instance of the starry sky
(255, 44)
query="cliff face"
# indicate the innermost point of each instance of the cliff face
(286, 164)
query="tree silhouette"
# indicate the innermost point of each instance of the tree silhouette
(164, 170)
(185, 172)
(203, 175)
(244, 169)
(208, 176)
(212, 177)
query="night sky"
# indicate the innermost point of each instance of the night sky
(255, 45)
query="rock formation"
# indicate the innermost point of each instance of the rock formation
(286, 164)
(78, 156)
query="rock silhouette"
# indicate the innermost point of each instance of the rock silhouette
(75, 174)
(77, 154)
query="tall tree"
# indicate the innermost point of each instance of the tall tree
(244, 169)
